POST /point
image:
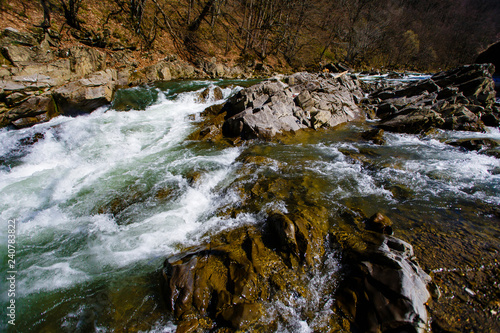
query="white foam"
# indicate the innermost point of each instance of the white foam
(86, 160)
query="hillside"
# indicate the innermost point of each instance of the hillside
(287, 35)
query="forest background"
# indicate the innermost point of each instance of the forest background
(421, 35)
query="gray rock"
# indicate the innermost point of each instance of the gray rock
(86, 95)
(272, 107)
(386, 290)
(457, 99)
(18, 54)
(13, 36)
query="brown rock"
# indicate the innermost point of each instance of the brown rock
(379, 223)
(86, 95)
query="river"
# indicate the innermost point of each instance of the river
(99, 201)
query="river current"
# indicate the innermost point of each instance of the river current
(99, 201)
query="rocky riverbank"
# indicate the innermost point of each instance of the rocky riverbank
(40, 79)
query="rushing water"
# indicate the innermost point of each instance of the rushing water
(100, 200)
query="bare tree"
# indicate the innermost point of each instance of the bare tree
(46, 15)
(71, 8)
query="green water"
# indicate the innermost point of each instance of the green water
(101, 200)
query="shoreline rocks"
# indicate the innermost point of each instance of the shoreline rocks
(458, 99)
(78, 80)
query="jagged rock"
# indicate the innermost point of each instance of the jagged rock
(18, 54)
(31, 111)
(413, 120)
(13, 36)
(225, 283)
(85, 95)
(458, 99)
(309, 100)
(386, 290)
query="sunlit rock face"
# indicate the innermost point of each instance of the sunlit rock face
(458, 99)
(305, 101)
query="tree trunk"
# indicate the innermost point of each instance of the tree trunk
(46, 15)
(196, 24)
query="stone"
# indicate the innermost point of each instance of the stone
(310, 100)
(228, 281)
(14, 37)
(475, 144)
(385, 290)
(15, 98)
(31, 111)
(86, 60)
(413, 121)
(86, 95)
(18, 54)
(458, 99)
(375, 135)
(379, 223)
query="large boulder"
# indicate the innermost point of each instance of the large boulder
(385, 290)
(227, 282)
(307, 101)
(86, 95)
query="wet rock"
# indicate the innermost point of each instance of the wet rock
(375, 135)
(475, 144)
(379, 223)
(225, 283)
(386, 290)
(216, 94)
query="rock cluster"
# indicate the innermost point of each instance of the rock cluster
(232, 282)
(302, 100)
(459, 99)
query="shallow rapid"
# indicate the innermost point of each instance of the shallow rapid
(101, 200)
